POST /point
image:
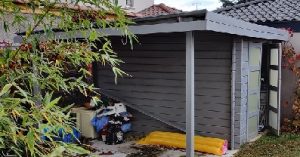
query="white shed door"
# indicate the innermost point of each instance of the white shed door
(274, 89)
(254, 78)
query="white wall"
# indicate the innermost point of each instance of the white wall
(139, 5)
(295, 40)
(289, 81)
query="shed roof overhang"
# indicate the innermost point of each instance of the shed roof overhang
(201, 20)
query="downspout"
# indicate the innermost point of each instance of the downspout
(233, 77)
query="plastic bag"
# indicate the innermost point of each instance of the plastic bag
(126, 127)
(99, 122)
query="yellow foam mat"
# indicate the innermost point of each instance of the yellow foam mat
(176, 140)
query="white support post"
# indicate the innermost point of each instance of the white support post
(279, 87)
(190, 94)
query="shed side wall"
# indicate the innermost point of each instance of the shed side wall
(157, 85)
(241, 96)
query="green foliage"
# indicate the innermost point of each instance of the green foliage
(290, 59)
(32, 72)
(286, 145)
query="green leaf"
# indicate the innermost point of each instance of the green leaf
(13, 130)
(5, 89)
(76, 150)
(57, 152)
(47, 98)
(30, 141)
(52, 103)
(23, 92)
(5, 26)
(96, 100)
(2, 60)
(93, 36)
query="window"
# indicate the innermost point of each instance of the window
(129, 3)
(254, 56)
(116, 2)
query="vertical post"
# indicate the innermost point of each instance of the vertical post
(233, 79)
(279, 87)
(190, 94)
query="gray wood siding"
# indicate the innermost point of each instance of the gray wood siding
(142, 121)
(11, 33)
(157, 82)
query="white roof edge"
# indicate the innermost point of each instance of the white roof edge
(213, 22)
(221, 23)
(162, 28)
(138, 30)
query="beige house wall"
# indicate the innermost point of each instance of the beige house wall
(289, 83)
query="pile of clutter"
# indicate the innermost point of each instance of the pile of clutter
(112, 121)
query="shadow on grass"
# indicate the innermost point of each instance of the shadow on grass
(287, 145)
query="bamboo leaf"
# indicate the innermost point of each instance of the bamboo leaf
(57, 152)
(52, 103)
(5, 89)
(5, 26)
(30, 141)
(93, 36)
(77, 150)
(23, 92)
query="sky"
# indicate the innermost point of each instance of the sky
(188, 5)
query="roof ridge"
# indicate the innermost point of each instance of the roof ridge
(240, 5)
(157, 9)
(154, 5)
(168, 8)
(164, 7)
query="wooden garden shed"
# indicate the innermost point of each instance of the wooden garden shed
(201, 68)
(198, 72)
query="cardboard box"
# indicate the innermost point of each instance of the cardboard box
(83, 122)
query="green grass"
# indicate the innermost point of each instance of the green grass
(287, 145)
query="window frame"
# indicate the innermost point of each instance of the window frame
(130, 3)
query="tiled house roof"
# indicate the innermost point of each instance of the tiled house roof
(264, 11)
(159, 9)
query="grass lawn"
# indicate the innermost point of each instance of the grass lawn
(287, 145)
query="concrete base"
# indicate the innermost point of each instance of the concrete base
(122, 150)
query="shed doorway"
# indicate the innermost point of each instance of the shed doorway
(269, 97)
(254, 85)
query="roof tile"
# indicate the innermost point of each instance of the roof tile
(159, 9)
(264, 10)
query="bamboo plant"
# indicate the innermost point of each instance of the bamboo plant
(32, 71)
